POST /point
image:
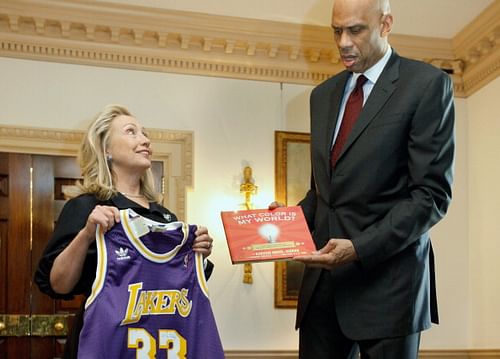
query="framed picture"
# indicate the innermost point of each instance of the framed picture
(292, 181)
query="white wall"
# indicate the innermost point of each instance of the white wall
(484, 216)
(234, 123)
(450, 243)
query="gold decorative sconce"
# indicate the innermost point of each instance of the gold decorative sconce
(248, 188)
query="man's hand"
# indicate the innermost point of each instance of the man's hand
(333, 254)
(275, 204)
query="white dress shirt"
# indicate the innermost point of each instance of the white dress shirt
(372, 75)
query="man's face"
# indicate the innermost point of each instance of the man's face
(360, 32)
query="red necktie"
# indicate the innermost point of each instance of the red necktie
(351, 113)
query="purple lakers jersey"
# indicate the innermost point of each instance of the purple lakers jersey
(149, 298)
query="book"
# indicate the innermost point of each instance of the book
(259, 235)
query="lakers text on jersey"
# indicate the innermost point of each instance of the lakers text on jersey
(149, 298)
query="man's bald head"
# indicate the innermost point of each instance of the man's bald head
(382, 7)
(361, 28)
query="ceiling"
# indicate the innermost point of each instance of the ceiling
(431, 18)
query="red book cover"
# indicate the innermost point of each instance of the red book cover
(259, 235)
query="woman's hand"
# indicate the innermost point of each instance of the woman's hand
(105, 216)
(203, 242)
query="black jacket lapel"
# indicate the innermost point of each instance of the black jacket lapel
(381, 92)
(335, 102)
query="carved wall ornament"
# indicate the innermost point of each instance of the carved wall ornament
(126, 36)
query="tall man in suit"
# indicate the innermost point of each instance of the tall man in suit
(376, 191)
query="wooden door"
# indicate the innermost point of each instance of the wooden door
(50, 319)
(15, 258)
(32, 325)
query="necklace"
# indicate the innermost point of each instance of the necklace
(132, 195)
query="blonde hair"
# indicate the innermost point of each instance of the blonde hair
(96, 169)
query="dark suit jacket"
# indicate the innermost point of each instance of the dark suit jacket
(391, 184)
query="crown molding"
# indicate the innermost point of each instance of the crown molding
(478, 47)
(173, 148)
(133, 37)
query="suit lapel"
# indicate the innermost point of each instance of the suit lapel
(335, 101)
(381, 92)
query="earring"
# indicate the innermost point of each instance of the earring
(109, 157)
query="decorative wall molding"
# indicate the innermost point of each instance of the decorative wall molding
(478, 45)
(132, 37)
(173, 148)
(424, 354)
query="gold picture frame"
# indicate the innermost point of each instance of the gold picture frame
(292, 180)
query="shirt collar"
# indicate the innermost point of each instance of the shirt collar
(122, 202)
(373, 73)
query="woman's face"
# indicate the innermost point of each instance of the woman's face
(129, 145)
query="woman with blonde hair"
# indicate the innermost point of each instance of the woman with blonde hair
(115, 160)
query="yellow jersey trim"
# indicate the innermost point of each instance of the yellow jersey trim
(102, 264)
(141, 248)
(200, 273)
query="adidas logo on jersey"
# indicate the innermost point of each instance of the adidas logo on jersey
(122, 254)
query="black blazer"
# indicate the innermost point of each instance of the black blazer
(391, 184)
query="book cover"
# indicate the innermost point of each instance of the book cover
(259, 235)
